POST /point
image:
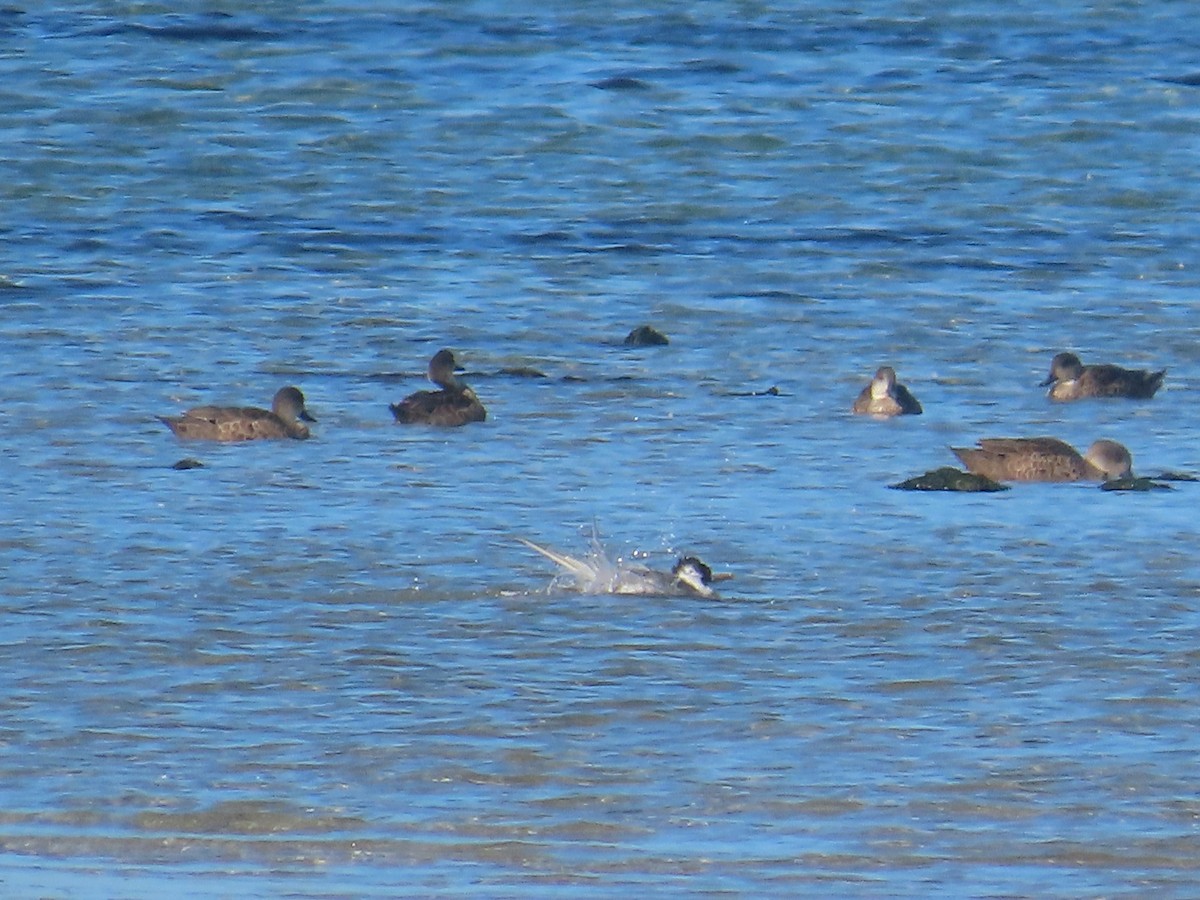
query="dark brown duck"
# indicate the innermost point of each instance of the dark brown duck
(1072, 380)
(455, 404)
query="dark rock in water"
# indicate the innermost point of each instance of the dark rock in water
(1175, 476)
(621, 83)
(1134, 484)
(646, 336)
(522, 372)
(188, 463)
(949, 478)
(772, 391)
(1190, 79)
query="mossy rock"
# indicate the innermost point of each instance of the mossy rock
(1175, 476)
(1134, 484)
(188, 463)
(949, 478)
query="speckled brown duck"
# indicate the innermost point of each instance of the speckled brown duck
(1072, 380)
(455, 404)
(885, 396)
(285, 419)
(1045, 459)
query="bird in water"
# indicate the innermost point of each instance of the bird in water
(285, 419)
(885, 396)
(1045, 459)
(1072, 380)
(455, 404)
(597, 574)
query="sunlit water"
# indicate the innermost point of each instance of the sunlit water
(329, 668)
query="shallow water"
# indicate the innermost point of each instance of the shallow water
(329, 669)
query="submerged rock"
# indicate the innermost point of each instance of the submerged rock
(188, 463)
(948, 478)
(772, 391)
(522, 372)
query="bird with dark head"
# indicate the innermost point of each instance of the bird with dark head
(455, 404)
(1071, 380)
(596, 573)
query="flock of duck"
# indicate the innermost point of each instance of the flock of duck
(455, 404)
(992, 461)
(995, 460)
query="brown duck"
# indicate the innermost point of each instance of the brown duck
(285, 419)
(885, 396)
(1072, 380)
(455, 404)
(1045, 459)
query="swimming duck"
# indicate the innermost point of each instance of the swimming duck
(1072, 380)
(1045, 459)
(597, 574)
(885, 396)
(285, 419)
(455, 404)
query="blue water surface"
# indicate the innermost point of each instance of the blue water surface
(329, 668)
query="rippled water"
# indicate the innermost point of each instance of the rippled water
(329, 669)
